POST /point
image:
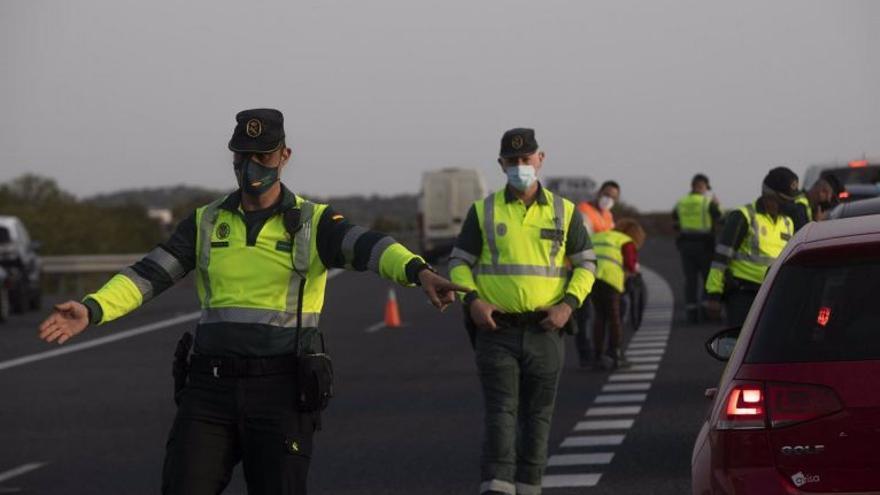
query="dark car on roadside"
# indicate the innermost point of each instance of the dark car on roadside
(21, 262)
(797, 409)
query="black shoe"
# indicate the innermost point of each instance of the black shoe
(602, 363)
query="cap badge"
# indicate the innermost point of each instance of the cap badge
(254, 128)
(517, 142)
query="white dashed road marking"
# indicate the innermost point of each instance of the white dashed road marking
(616, 409)
(20, 470)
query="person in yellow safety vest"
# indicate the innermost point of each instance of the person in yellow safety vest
(597, 218)
(694, 217)
(754, 236)
(815, 203)
(617, 255)
(525, 255)
(258, 378)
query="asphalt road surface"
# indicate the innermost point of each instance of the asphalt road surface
(91, 417)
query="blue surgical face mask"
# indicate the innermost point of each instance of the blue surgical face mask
(521, 177)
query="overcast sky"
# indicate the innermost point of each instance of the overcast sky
(104, 95)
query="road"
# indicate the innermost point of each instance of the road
(407, 416)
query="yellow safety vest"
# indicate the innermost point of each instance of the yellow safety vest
(803, 200)
(693, 214)
(271, 285)
(609, 254)
(521, 266)
(764, 242)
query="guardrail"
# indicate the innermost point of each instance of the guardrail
(76, 264)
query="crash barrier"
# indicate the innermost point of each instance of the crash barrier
(76, 274)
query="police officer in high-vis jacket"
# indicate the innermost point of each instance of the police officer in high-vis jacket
(525, 256)
(695, 216)
(754, 236)
(258, 377)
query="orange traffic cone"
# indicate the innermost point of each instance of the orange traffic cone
(392, 312)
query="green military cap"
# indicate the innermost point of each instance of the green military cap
(518, 142)
(260, 130)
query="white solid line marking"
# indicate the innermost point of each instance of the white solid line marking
(627, 387)
(643, 367)
(614, 411)
(645, 352)
(116, 336)
(650, 338)
(571, 480)
(376, 327)
(644, 359)
(581, 459)
(646, 345)
(593, 441)
(20, 470)
(60, 351)
(604, 424)
(614, 398)
(631, 377)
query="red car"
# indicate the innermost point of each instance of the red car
(797, 409)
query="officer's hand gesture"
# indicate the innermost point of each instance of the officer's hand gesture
(557, 317)
(68, 320)
(481, 314)
(441, 292)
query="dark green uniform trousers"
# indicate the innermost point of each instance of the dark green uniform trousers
(519, 370)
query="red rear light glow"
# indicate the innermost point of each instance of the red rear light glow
(843, 195)
(858, 163)
(791, 403)
(744, 409)
(824, 316)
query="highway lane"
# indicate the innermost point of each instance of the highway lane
(406, 417)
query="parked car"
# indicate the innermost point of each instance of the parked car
(860, 178)
(858, 208)
(797, 409)
(19, 259)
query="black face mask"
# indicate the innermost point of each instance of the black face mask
(255, 178)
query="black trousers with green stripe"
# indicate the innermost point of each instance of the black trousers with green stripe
(519, 371)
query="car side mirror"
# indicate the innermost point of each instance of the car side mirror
(721, 345)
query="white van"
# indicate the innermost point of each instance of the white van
(445, 199)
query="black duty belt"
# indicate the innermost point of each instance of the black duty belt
(242, 367)
(519, 319)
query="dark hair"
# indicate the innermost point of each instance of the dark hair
(610, 183)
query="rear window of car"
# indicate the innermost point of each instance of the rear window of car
(820, 310)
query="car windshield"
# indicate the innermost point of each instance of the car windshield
(4, 235)
(820, 311)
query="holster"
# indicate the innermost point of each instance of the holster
(180, 366)
(314, 380)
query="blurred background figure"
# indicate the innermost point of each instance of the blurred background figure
(695, 216)
(597, 218)
(814, 203)
(754, 236)
(617, 255)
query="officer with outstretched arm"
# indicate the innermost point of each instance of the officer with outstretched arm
(259, 374)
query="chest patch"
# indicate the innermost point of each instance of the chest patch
(784, 236)
(501, 229)
(223, 231)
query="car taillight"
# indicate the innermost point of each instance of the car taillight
(754, 406)
(744, 408)
(858, 164)
(790, 403)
